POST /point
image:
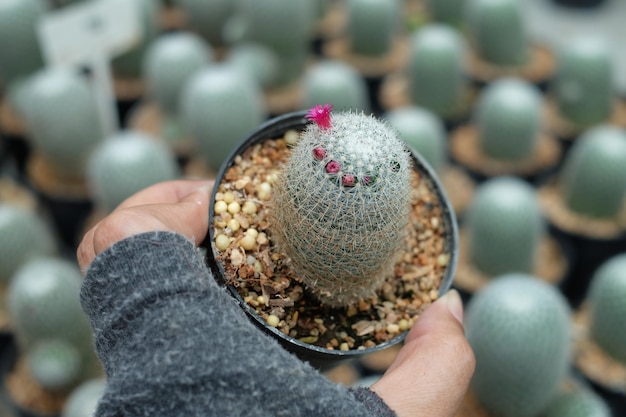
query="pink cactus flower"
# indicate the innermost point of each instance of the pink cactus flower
(320, 115)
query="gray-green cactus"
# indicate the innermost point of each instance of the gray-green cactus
(342, 204)
(423, 131)
(498, 32)
(505, 226)
(61, 114)
(337, 83)
(578, 403)
(592, 179)
(518, 327)
(450, 12)
(508, 119)
(436, 70)
(83, 400)
(24, 235)
(220, 106)
(261, 62)
(208, 18)
(125, 164)
(55, 365)
(372, 25)
(583, 85)
(606, 298)
(20, 52)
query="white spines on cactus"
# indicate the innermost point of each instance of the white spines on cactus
(24, 235)
(372, 25)
(518, 327)
(220, 106)
(592, 179)
(61, 115)
(508, 118)
(125, 164)
(342, 204)
(335, 82)
(55, 365)
(208, 18)
(423, 131)
(83, 400)
(170, 61)
(580, 402)
(608, 309)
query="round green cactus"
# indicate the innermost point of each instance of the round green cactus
(55, 365)
(43, 300)
(592, 180)
(372, 25)
(169, 62)
(83, 400)
(257, 59)
(342, 204)
(508, 119)
(450, 12)
(606, 298)
(583, 85)
(208, 18)
(62, 117)
(219, 107)
(337, 83)
(578, 403)
(423, 131)
(518, 327)
(125, 164)
(23, 236)
(20, 53)
(498, 31)
(505, 226)
(436, 70)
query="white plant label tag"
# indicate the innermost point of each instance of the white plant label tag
(88, 34)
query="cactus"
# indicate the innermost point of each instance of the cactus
(337, 83)
(606, 298)
(62, 117)
(342, 203)
(20, 53)
(373, 25)
(583, 85)
(55, 365)
(23, 236)
(208, 18)
(519, 330)
(83, 400)
(126, 163)
(260, 61)
(436, 70)
(592, 179)
(508, 118)
(422, 131)
(450, 12)
(219, 106)
(578, 403)
(505, 226)
(498, 32)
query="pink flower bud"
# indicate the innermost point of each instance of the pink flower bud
(319, 153)
(333, 167)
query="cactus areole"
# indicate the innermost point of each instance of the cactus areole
(331, 234)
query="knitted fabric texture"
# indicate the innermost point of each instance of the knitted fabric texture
(173, 343)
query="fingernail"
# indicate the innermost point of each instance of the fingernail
(452, 299)
(198, 195)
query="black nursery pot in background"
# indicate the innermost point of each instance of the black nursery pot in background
(321, 357)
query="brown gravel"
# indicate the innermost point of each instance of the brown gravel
(10, 122)
(269, 286)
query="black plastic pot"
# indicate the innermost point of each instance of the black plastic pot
(320, 357)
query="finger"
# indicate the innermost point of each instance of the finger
(164, 192)
(85, 252)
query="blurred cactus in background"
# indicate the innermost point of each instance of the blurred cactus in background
(335, 82)
(505, 226)
(219, 107)
(258, 60)
(498, 32)
(519, 330)
(580, 402)
(342, 204)
(592, 179)
(436, 70)
(207, 18)
(583, 85)
(55, 364)
(372, 26)
(83, 400)
(508, 118)
(125, 164)
(450, 12)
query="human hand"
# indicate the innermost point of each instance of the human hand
(432, 371)
(180, 206)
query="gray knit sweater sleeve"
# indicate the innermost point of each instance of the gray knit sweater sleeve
(174, 343)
